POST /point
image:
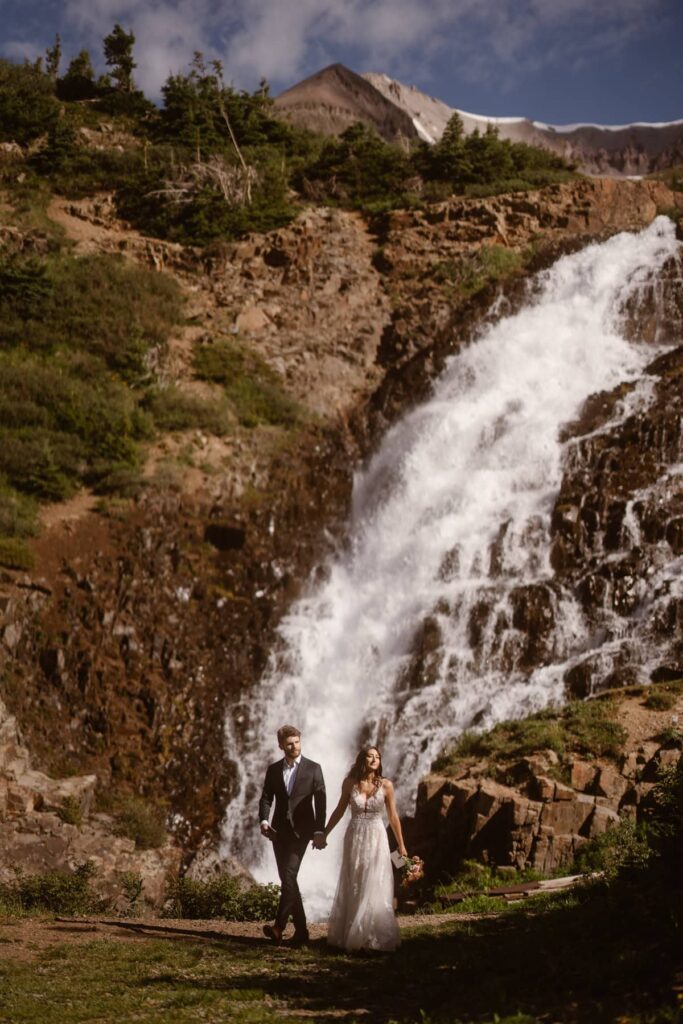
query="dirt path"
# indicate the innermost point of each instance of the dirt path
(25, 939)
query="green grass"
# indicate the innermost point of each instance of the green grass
(462, 279)
(252, 388)
(562, 959)
(583, 727)
(662, 696)
(174, 409)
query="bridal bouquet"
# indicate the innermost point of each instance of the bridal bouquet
(413, 871)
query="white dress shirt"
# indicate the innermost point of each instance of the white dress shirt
(289, 773)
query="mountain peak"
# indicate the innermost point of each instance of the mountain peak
(333, 99)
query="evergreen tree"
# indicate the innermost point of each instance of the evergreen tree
(81, 67)
(79, 81)
(118, 54)
(193, 112)
(27, 102)
(53, 58)
(450, 161)
(489, 156)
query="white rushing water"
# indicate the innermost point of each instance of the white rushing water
(474, 470)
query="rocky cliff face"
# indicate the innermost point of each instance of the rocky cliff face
(37, 837)
(125, 650)
(536, 812)
(617, 528)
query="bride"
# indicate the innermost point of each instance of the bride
(362, 915)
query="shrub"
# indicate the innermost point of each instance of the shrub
(621, 847)
(181, 199)
(174, 409)
(71, 812)
(138, 820)
(221, 897)
(55, 892)
(663, 696)
(591, 730)
(18, 513)
(27, 102)
(63, 422)
(655, 843)
(76, 170)
(101, 305)
(359, 169)
(15, 554)
(251, 386)
(132, 885)
(121, 479)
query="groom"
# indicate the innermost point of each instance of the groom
(297, 787)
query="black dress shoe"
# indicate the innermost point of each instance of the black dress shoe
(299, 939)
(272, 932)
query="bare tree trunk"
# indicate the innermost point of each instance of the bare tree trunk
(245, 168)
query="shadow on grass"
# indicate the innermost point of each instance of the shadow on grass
(587, 958)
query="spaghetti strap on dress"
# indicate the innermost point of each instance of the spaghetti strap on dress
(362, 915)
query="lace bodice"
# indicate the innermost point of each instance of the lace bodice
(366, 808)
(362, 915)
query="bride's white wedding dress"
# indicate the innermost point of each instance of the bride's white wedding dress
(362, 915)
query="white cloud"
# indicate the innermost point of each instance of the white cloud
(21, 49)
(287, 39)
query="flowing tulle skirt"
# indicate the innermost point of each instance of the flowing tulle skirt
(362, 915)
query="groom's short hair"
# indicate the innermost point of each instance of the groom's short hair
(285, 731)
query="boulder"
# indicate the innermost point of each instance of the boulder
(582, 775)
(252, 320)
(208, 864)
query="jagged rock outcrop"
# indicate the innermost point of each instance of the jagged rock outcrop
(522, 815)
(36, 837)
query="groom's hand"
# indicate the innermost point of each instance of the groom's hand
(319, 841)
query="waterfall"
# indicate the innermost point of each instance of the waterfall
(442, 613)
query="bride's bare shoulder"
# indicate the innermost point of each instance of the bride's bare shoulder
(387, 786)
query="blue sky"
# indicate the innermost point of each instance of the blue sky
(560, 61)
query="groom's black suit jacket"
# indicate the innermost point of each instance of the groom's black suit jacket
(303, 810)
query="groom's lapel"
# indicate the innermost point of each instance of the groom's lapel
(280, 766)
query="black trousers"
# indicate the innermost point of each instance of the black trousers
(289, 851)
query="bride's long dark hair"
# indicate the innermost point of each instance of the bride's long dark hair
(358, 770)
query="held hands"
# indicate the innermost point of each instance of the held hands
(319, 841)
(268, 831)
